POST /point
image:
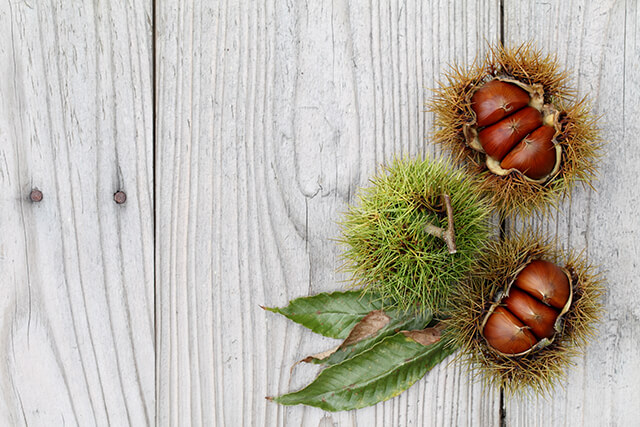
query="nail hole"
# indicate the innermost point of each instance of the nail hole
(120, 197)
(36, 195)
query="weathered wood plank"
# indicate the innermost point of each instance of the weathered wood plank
(269, 118)
(76, 301)
(598, 42)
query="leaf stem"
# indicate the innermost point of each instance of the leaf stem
(447, 235)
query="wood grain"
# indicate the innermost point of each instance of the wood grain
(270, 116)
(76, 269)
(598, 42)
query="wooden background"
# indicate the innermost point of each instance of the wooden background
(240, 132)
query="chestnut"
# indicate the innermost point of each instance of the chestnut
(545, 281)
(533, 313)
(471, 104)
(496, 100)
(505, 333)
(535, 155)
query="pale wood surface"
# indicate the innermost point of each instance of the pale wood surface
(599, 41)
(76, 270)
(268, 117)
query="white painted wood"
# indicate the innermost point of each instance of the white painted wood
(76, 270)
(598, 42)
(270, 116)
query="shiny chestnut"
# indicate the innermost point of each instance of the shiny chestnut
(496, 100)
(546, 282)
(535, 314)
(535, 155)
(515, 129)
(526, 316)
(506, 333)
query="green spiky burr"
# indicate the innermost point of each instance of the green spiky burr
(414, 232)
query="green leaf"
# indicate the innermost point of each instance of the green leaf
(330, 314)
(380, 373)
(399, 321)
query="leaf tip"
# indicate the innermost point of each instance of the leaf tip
(271, 309)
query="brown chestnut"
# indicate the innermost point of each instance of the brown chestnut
(505, 333)
(498, 139)
(536, 315)
(534, 156)
(496, 100)
(546, 282)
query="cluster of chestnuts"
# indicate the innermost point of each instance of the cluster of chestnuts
(512, 121)
(529, 314)
(515, 129)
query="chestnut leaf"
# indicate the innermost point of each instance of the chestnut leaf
(379, 373)
(334, 314)
(351, 347)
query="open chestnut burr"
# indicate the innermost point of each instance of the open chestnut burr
(512, 119)
(525, 311)
(529, 314)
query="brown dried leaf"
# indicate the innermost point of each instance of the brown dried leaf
(367, 327)
(318, 356)
(426, 336)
